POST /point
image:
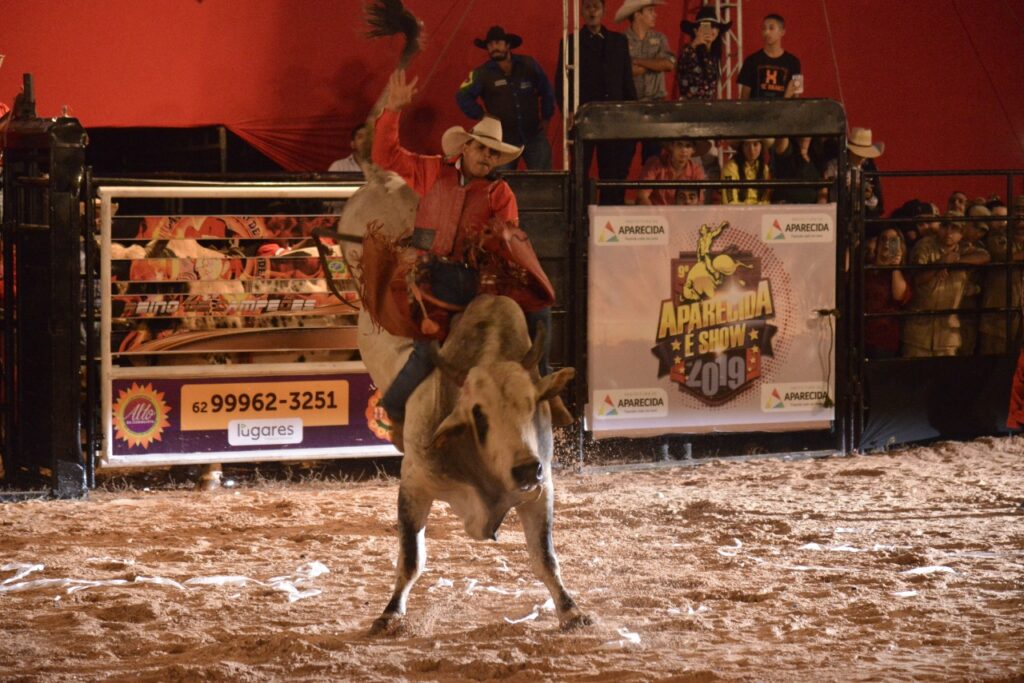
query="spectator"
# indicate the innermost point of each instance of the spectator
(974, 241)
(515, 90)
(700, 63)
(957, 203)
(648, 50)
(938, 290)
(605, 74)
(1003, 246)
(676, 162)
(750, 158)
(355, 161)
(794, 161)
(769, 73)
(885, 291)
(861, 153)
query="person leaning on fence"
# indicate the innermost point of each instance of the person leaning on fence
(861, 152)
(1001, 241)
(938, 290)
(973, 241)
(885, 291)
(747, 164)
(679, 160)
(795, 160)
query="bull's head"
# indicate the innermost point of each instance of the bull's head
(497, 441)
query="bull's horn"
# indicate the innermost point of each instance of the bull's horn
(532, 357)
(448, 370)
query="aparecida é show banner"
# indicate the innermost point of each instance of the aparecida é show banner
(711, 318)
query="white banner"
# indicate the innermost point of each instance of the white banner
(709, 318)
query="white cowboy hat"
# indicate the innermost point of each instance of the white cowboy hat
(859, 143)
(631, 7)
(487, 132)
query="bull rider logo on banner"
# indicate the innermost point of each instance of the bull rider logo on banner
(714, 329)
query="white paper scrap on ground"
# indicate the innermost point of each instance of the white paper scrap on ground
(548, 606)
(21, 571)
(905, 594)
(218, 581)
(924, 571)
(294, 585)
(630, 636)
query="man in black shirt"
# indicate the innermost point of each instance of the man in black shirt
(769, 73)
(514, 90)
(606, 75)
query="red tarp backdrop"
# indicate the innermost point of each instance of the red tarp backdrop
(937, 80)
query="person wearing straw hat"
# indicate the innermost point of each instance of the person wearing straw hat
(462, 205)
(861, 153)
(514, 89)
(650, 56)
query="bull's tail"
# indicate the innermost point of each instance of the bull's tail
(390, 17)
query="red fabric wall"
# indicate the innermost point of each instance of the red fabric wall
(937, 80)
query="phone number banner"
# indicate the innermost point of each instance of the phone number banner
(217, 415)
(707, 318)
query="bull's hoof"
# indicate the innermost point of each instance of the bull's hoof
(387, 625)
(578, 621)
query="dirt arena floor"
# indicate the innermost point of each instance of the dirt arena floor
(904, 566)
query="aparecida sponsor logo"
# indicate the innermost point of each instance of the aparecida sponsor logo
(629, 230)
(630, 403)
(795, 397)
(785, 227)
(265, 432)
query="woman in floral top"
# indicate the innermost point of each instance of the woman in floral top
(699, 64)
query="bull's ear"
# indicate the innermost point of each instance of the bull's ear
(552, 385)
(454, 425)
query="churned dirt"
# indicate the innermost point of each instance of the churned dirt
(904, 566)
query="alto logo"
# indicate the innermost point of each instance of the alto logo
(631, 230)
(631, 403)
(140, 415)
(797, 228)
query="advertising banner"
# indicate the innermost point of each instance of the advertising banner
(172, 417)
(711, 318)
(229, 284)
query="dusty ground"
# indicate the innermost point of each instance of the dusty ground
(893, 567)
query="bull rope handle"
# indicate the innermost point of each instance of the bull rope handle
(324, 256)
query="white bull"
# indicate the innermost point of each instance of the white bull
(478, 437)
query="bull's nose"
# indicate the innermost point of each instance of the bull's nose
(529, 475)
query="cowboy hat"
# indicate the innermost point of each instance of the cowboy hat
(859, 142)
(631, 7)
(498, 33)
(487, 132)
(706, 14)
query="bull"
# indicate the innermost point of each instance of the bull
(478, 437)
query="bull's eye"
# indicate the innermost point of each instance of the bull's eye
(480, 422)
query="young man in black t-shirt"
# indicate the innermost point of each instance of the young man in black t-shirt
(769, 72)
